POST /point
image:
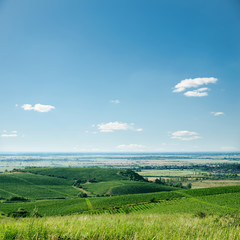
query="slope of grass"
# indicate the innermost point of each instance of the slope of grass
(33, 186)
(212, 191)
(103, 187)
(47, 207)
(170, 202)
(125, 187)
(139, 187)
(77, 173)
(122, 226)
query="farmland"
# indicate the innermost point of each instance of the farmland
(31, 199)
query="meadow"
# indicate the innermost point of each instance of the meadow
(122, 226)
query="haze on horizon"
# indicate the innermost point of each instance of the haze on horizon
(119, 76)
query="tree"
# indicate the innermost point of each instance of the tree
(189, 185)
(82, 195)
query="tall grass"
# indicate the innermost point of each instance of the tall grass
(122, 226)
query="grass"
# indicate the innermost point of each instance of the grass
(192, 200)
(33, 186)
(125, 187)
(139, 187)
(48, 207)
(122, 226)
(84, 174)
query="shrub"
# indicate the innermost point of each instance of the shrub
(82, 195)
(17, 198)
(19, 213)
(201, 214)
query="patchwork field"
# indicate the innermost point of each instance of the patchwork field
(32, 201)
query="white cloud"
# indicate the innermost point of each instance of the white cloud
(116, 101)
(185, 135)
(127, 147)
(217, 113)
(193, 83)
(201, 92)
(38, 107)
(116, 126)
(9, 135)
(14, 131)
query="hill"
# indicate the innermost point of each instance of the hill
(86, 174)
(32, 186)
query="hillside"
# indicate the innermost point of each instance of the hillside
(32, 186)
(86, 174)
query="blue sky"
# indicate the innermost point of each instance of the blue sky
(85, 76)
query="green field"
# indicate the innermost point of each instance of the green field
(34, 186)
(125, 187)
(219, 200)
(83, 174)
(141, 210)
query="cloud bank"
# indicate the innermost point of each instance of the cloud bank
(38, 107)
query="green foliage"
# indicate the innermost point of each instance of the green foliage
(201, 214)
(122, 226)
(17, 199)
(131, 175)
(19, 213)
(82, 195)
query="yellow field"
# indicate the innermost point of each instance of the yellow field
(215, 183)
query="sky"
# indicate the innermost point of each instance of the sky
(119, 76)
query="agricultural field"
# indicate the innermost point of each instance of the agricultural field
(173, 173)
(175, 201)
(53, 206)
(76, 173)
(197, 177)
(32, 186)
(214, 183)
(124, 187)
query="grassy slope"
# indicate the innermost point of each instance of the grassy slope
(223, 200)
(84, 174)
(34, 186)
(139, 187)
(122, 226)
(125, 187)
